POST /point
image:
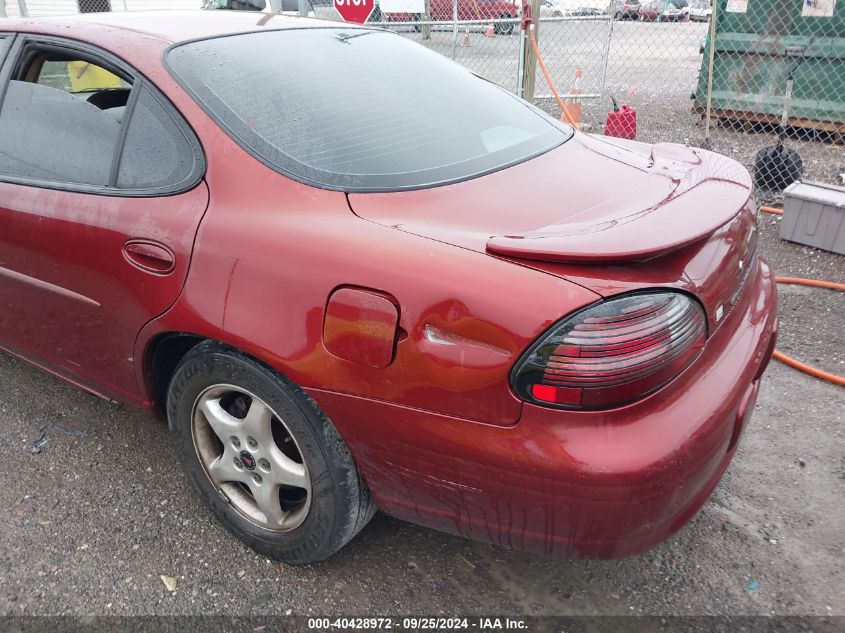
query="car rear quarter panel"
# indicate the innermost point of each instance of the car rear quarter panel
(270, 252)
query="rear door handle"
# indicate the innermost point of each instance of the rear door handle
(149, 256)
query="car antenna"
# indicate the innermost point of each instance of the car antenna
(345, 37)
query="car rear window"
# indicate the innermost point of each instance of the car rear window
(359, 109)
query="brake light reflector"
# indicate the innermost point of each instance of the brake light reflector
(613, 353)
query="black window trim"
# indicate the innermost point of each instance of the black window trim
(6, 40)
(16, 56)
(232, 134)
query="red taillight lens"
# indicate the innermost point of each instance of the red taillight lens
(614, 352)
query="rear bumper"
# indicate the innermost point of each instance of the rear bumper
(575, 484)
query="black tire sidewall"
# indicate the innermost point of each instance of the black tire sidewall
(335, 486)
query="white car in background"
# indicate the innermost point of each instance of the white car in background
(572, 8)
(288, 7)
(700, 10)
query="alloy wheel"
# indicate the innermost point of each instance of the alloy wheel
(251, 457)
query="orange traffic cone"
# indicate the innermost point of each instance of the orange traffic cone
(466, 43)
(572, 105)
(489, 32)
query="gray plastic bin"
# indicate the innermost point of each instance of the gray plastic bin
(814, 214)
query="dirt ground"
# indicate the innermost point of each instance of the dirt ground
(88, 525)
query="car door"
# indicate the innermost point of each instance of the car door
(101, 194)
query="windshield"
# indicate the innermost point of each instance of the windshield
(359, 110)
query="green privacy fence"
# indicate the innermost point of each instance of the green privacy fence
(756, 49)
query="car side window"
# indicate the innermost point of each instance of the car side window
(53, 126)
(69, 120)
(156, 152)
(48, 134)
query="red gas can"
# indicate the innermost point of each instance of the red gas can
(621, 122)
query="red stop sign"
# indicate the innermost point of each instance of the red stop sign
(355, 10)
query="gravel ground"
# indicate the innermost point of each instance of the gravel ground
(812, 321)
(88, 525)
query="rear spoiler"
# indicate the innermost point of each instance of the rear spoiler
(682, 219)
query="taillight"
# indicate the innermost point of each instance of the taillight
(614, 352)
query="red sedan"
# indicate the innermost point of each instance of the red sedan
(348, 286)
(660, 11)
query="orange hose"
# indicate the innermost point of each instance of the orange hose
(808, 369)
(815, 283)
(771, 210)
(549, 81)
(787, 360)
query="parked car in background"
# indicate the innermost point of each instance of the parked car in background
(583, 12)
(573, 8)
(287, 7)
(626, 9)
(549, 9)
(683, 7)
(660, 11)
(467, 10)
(700, 10)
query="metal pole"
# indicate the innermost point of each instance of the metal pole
(520, 69)
(606, 55)
(529, 68)
(425, 27)
(710, 75)
(303, 8)
(454, 28)
(22, 9)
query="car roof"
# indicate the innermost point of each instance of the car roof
(169, 26)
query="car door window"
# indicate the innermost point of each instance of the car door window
(71, 120)
(48, 134)
(51, 126)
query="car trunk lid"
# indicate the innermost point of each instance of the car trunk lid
(605, 213)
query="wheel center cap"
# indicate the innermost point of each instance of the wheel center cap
(247, 459)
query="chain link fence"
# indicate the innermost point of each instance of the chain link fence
(736, 76)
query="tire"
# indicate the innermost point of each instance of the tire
(325, 504)
(503, 29)
(776, 167)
